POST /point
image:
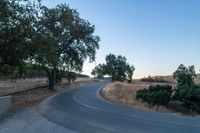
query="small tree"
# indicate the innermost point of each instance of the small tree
(98, 71)
(184, 77)
(64, 40)
(130, 71)
(116, 67)
(186, 90)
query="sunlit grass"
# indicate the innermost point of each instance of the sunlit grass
(124, 93)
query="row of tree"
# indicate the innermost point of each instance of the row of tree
(116, 67)
(157, 79)
(53, 38)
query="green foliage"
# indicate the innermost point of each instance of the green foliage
(186, 90)
(64, 40)
(159, 94)
(16, 32)
(190, 95)
(99, 71)
(55, 39)
(70, 76)
(116, 67)
(129, 72)
(184, 76)
(32, 70)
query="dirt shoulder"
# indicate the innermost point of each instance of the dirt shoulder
(123, 93)
(34, 96)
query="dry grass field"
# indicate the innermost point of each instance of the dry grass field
(124, 93)
(30, 92)
(171, 80)
(7, 87)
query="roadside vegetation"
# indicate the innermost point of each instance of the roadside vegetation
(183, 97)
(125, 93)
(158, 94)
(186, 90)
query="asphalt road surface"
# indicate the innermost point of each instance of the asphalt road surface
(83, 110)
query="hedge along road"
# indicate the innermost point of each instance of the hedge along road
(83, 110)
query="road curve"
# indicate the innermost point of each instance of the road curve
(83, 110)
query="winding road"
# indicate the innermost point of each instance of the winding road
(83, 110)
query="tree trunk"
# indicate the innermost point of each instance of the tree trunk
(52, 79)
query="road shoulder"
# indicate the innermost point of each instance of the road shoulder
(28, 120)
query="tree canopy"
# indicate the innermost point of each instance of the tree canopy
(186, 89)
(17, 18)
(54, 38)
(116, 67)
(184, 76)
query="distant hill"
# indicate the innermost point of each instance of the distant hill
(169, 78)
(197, 80)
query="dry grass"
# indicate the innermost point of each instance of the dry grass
(124, 93)
(170, 79)
(31, 94)
(7, 87)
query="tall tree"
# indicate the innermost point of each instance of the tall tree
(17, 19)
(54, 39)
(185, 81)
(64, 41)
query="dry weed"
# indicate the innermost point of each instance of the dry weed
(124, 93)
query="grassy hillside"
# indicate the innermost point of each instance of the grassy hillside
(170, 79)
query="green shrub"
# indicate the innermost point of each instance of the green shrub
(190, 96)
(159, 94)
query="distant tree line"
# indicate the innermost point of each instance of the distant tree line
(116, 67)
(55, 39)
(36, 71)
(157, 79)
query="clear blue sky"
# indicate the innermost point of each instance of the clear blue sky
(154, 35)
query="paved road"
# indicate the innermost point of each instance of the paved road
(83, 110)
(29, 120)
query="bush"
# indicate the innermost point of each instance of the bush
(190, 96)
(159, 94)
